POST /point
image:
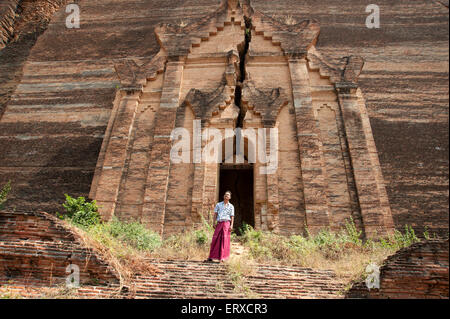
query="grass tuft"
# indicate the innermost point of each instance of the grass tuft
(4, 191)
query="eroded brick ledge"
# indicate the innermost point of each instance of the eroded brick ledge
(419, 271)
(36, 248)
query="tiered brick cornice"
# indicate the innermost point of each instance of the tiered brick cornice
(205, 105)
(133, 76)
(295, 40)
(178, 40)
(264, 103)
(345, 72)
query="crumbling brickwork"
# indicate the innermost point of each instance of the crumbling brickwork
(8, 11)
(419, 271)
(36, 249)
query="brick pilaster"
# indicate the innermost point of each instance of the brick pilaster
(308, 130)
(364, 168)
(273, 207)
(116, 153)
(158, 173)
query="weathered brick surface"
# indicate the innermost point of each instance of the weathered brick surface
(198, 280)
(36, 249)
(419, 271)
(54, 124)
(32, 226)
(41, 263)
(8, 11)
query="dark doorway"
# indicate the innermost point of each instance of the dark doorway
(239, 180)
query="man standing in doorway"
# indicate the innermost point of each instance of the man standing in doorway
(223, 224)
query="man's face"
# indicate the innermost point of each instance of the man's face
(227, 196)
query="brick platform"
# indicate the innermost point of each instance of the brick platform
(198, 280)
(36, 248)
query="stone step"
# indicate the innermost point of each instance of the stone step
(191, 280)
(287, 282)
(177, 285)
(185, 279)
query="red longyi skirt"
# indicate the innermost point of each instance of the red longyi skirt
(220, 244)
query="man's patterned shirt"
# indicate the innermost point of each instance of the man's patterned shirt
(224, 212)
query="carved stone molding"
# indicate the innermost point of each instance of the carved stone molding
(133, 76)
(205, 104)
(263, 102)
(343, 73)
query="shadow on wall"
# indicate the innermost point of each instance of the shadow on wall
(70, 170)
(12, 59)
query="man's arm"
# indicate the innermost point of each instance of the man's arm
(232, 219)
(215, 220)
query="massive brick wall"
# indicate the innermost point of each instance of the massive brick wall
(51, 132)
(419, 271)
(203, 79)
(21, 22)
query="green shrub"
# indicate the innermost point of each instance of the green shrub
(249, 234)
(260, 251)
(353, 234)
(4, 193)
(399, 240)
(243, 229)
(426, 233)
(409, 237)
(189, 244)
(406, 239)
(324, 238)
(133, 234)
(201, 237)
(81, 212)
